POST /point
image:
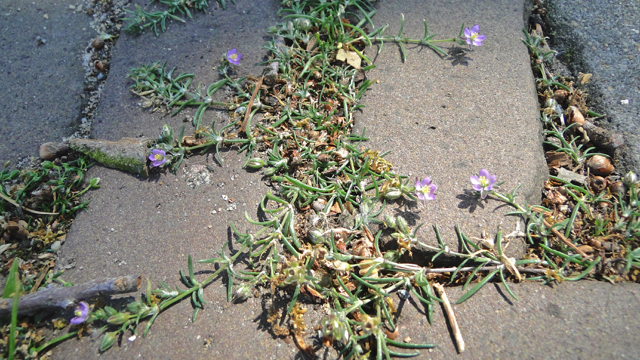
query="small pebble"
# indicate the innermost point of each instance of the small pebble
(56, 246)
(403, 294)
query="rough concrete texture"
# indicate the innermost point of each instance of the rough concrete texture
(602, 37)
(149, 227)
(41, 84)
(583, 320)
(194, 47)
(448, 120)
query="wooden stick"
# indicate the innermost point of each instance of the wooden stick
(36, 285)
(565, 240)
(243, 127)
(68, 297)
(457, 335)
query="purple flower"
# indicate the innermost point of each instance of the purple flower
(484, 182)
(158, 157)
(82, 310)
(472, 36)
(425, 189)
(234, 57)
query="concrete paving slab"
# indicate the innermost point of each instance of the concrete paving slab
(41, 82)
(603, 38)
(448, 120)
(194, 47)
(150, 226)
(580, 320)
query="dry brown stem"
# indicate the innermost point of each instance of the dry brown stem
(243, 127)
(457, 335)
(565, 240)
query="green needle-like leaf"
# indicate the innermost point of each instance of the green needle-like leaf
(477, 287)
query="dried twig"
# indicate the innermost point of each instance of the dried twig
(67, 297)
(485, 268)
(457, 335)
(10, 200)
(565, 240)
(243, 127)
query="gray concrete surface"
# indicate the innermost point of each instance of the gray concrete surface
(603, 38)
(41, 84)
(583, 320)
(447, 121)
(483, 114)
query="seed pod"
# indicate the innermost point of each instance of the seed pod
(600, 165)
(97, 43)
(618, 188)
(598, 183)
(341, 155)
(324, 158)
(560, 95)
(319, 204)
(575, 116)
(101, 65)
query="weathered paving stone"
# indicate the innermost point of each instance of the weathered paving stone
(447, 119)
(41, 84)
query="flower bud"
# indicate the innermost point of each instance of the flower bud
(630, 178)
(270, 171)
(315, 236)
(551, 102)
(402, 224)
(392, 194)
(242, 293)
(118, 319)
(392, 255)
(135, 307)
(99, 314)
(256, 163)
(302, 24)
(390, 221)
(108, 340)
(166, 135)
